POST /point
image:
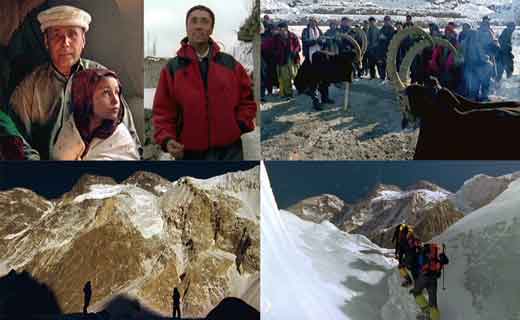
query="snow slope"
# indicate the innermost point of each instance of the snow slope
(326, 273)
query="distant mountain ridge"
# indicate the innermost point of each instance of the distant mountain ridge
(424, 205)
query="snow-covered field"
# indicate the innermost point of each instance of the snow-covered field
(467, 11)
(330, 274)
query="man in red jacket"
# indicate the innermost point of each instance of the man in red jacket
(204, 101)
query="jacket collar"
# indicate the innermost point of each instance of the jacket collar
(79, 66)
(187, 50)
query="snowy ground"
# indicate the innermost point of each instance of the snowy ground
(250, 141)
(370, 129)
(331, 274)
(423, 10)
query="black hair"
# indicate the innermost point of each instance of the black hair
(203, 8)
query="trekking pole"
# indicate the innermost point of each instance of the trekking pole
(443, 271)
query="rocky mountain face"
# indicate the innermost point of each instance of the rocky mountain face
(140, 238)
(320, 208)
(424, 205)
(427, 223)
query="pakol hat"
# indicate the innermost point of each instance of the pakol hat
(60, 16)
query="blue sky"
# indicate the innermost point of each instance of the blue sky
(53, 178)
(165, 21)
(293, 181)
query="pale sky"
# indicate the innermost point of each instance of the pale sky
(165, 21)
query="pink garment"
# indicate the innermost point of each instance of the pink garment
(439, 63)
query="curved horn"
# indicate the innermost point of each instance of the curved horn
(355, 44)
(416, 49)
(393, 48)
(406, 64)
(361, 34)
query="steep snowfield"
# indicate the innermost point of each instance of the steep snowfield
(325, 273)
(330, 274)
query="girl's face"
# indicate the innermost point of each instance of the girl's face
(106, 99)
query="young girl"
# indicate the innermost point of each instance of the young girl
(95, 130)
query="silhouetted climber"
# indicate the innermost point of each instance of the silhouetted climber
(87, 291)
(176, 303)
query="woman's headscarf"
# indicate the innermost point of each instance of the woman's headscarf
(83, 86)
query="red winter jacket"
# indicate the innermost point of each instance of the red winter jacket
(201, 118)
(281, 49)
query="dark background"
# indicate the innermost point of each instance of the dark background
(52, 179)
(352, 180)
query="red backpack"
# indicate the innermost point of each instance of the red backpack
(434, 262)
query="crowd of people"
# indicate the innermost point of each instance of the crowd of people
(482, 57)
(420, 266)
(476, 69)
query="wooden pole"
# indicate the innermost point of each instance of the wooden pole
(347, 93)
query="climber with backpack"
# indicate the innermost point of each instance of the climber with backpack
(410, 269)
(399, 239)
(405, 252)
(431, 261)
